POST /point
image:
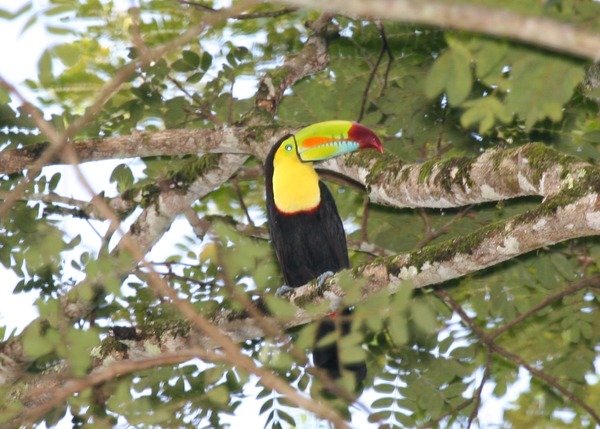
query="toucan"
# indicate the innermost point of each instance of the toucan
(306, 229)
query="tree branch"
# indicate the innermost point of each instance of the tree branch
(543, 32)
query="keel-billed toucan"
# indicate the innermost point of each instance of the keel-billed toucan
(305, 226)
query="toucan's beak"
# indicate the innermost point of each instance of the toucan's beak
(325, 140)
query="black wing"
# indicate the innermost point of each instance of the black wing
(308, 244)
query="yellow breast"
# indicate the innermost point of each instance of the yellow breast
(295, 184)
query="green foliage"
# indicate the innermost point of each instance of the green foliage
(430, 94)
(451, 73)
(523, 82)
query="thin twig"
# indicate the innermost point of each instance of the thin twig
(274, 331)
(232, 354)
(202, 112)
(59, 142)
(550, 381)
(435, 422)
(494, 21)
(384, 49)
(388, 68)
(108, 373)
(477, 394)
(255, 15)
(364, 228)
(441, 231)
(581, 284)
(240, 198)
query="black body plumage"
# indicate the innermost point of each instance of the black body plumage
(308, 244)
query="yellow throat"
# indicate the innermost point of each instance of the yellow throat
(295, 183)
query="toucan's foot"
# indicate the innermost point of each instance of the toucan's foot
(284, 290)
(321, 279)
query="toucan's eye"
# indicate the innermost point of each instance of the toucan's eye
(288, 147)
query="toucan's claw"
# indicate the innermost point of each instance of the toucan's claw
(283, 290)
(321, 280)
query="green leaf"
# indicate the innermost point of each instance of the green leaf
(463, 353)
(563, 266)
(53, 183)
(489, 56)
(79, 352)
(68, 54)
(287, 418)
(486, 111)
(40, 340)
(59, 31)
(4, 14)
(385, 402)
(384, 388)
(120, 398)
(27, 6)
(191, 58)
(58, 10)
(451, 73)
(4, 96)
(266, 406)
(401, 300)
(45, 68)
(398, 329)
(423, 316)
(206, 61)
(280, 308)
(123, 177)
(219, 395)
(351, 285)
(540, 85)
(33, 20)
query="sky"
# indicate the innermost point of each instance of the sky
(20, 52)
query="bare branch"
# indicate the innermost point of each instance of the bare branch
(581, 284)
(157, 218)
(102, 375)
(544, 32)
(495, 175)
(477, 394)
(312, 58)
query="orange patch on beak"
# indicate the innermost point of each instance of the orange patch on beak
(315, 141)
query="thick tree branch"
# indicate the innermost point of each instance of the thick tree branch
(234, 140)
(156, 219)
(495, 175)
(571, 188)
(544, 32)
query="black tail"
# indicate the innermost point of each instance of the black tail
(327, 358)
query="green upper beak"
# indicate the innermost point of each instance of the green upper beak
(328, 139)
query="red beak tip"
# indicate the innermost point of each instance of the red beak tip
(366, 137)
